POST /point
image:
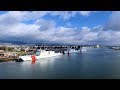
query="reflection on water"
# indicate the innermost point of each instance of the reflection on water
(42, 65)
(94, 63)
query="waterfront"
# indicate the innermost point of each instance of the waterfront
(95, 63)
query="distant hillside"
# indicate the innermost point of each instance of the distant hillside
(38, 43)
(13, 42)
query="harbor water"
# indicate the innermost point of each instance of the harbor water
(94, 63)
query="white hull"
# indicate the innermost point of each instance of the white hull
(83, 49)
(44, 54)
(72, 51)
(76, 51)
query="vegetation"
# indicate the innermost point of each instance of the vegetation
(10, 49)
(22, 53)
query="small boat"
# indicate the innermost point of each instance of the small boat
(39, 54)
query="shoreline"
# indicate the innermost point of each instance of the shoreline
(6, 59)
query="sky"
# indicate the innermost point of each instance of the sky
(66, 27)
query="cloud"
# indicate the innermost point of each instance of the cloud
(85, 13)
(63, 14)
(45, 24)
(12, 27)
(66, 15)
(27, 15)
(114, 21)
(41, 30)
(19, 16)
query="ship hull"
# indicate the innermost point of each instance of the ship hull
(42, 55)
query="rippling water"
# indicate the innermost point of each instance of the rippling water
(95, 63)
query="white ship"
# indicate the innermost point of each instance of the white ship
(97, 46)
(70, 51)
(39, 54)
(83, 49)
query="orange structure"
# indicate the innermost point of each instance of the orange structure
(33, 59)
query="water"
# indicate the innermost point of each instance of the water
(96, 63)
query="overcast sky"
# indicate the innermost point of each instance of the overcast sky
(70, 27)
